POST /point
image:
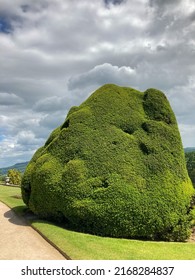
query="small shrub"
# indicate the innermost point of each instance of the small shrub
(15, 176)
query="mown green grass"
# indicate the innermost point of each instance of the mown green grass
(85, 246)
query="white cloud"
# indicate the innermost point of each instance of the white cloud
(187, 133)
(182, 100)
(7, 99)
(103, 74)
(50, 104)
(26, 138)
(50, 121)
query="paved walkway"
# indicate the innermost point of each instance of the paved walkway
(18, 241)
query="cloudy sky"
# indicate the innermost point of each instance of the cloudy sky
(54, 53)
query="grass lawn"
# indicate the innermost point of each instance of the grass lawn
(79, 246)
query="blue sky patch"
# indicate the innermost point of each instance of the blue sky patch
(5, 25)
(2, 137)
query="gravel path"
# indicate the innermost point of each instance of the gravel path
(19, 241)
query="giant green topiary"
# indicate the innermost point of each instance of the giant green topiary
(115, 167)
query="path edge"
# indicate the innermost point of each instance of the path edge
(39, 232)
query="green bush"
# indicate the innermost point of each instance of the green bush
(115, 167)
(15, 176)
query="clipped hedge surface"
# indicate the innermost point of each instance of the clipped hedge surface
(115, 167)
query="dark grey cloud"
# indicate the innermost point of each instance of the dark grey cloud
(114, 2)
(192, 16)
(164, 3)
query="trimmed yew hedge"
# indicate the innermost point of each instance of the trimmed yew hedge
(115, 167)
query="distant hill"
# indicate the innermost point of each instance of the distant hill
(189, 149)
(19, 166)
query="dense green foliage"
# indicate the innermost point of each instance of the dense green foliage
(2, 177)
(115, 167)
(190, 163)
(15, 176)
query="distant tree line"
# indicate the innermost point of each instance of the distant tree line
(190, 163)
(2, 177)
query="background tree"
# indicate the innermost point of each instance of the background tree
(190, 163)
(2, 177)
(15, 176)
